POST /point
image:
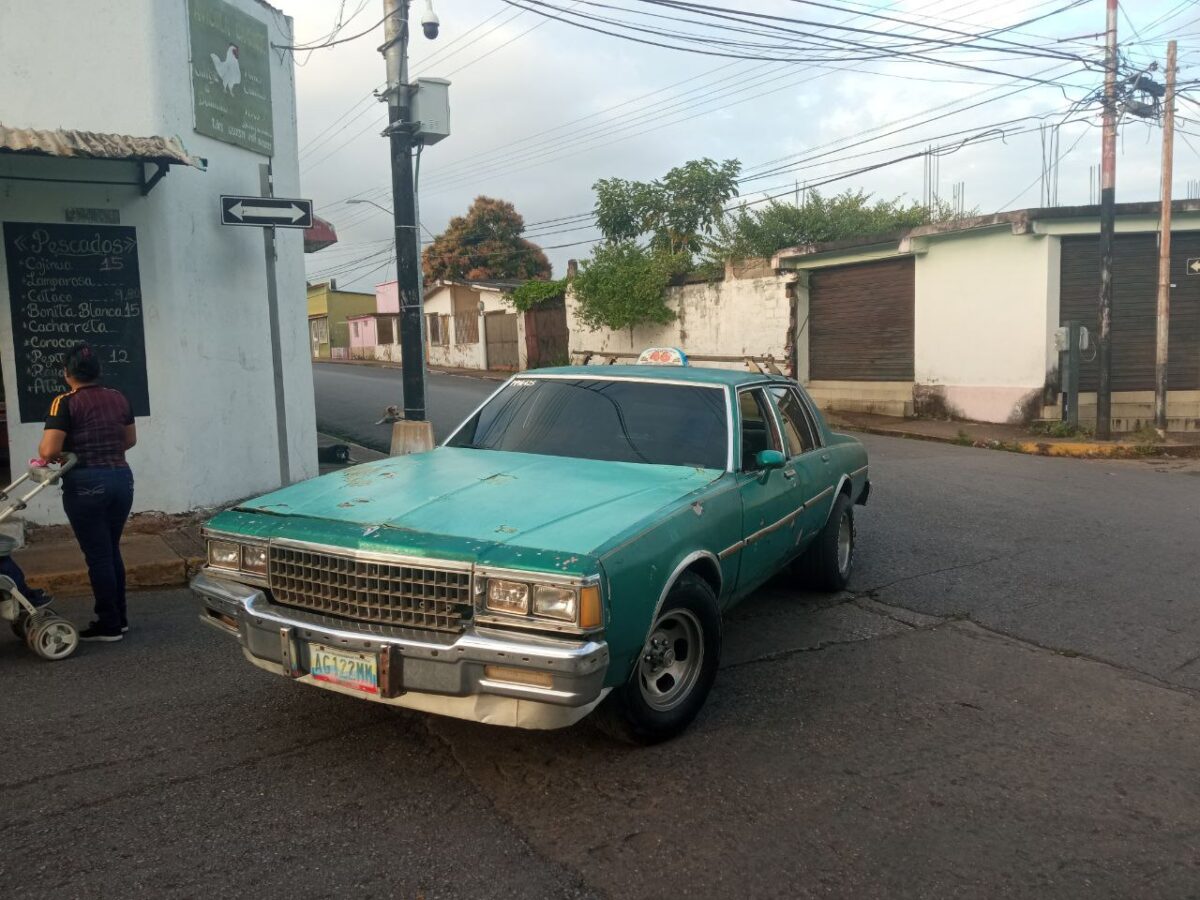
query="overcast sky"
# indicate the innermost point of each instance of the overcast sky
(541, 109)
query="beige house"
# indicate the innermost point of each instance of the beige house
(960, 318)
(469, 325)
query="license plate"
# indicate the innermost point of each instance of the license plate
(357, 671)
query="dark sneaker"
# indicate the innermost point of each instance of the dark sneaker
(95, 633)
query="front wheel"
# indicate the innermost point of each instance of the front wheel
(827, 563)
(674, 671)
(52, 637)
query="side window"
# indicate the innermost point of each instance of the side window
(801, 436)
(758, 428)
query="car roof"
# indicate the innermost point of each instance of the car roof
(682, 374)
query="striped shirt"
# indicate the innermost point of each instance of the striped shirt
(94, 418)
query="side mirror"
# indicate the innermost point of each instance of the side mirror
(770, 459)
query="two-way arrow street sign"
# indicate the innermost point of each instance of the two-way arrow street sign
(281, 212)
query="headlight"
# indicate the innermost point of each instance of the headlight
(580, 606)
(508, 596)
(254, 559)
(238, 557)
(224, 554)
(554, 602)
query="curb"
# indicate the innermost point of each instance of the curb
(1061, 449)
(151, 562)
(142, 577)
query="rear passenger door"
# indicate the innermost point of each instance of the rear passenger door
(807, 457)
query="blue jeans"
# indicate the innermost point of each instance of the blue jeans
(97, 502)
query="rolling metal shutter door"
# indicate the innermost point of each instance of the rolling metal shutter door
(1135, 288)
(861, 322)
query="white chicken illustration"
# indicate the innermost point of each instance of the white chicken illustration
(229, 70)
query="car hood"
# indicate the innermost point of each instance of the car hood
(540, 502)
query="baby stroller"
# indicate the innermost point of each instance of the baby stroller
(45, 632)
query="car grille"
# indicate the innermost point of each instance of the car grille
(370, 591)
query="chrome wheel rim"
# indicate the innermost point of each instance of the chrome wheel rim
(671, 660)
(845, 543)
(56, 639)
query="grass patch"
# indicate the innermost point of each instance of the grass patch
(1061, 430)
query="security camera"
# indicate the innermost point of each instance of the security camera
(429, 21)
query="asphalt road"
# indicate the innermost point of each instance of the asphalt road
(352, 398)
(1004, 705)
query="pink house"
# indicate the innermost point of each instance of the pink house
(377, 335)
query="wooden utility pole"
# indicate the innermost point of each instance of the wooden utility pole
(1108, 189)
(1164, 250)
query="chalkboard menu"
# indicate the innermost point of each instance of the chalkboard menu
(72, 283)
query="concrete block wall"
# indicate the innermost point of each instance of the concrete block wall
(736, 317)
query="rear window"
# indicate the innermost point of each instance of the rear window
(617, 421)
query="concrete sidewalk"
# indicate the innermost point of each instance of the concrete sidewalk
(1016, 438)
(53, 561)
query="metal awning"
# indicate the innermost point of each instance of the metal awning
(319, 236)
(64, 143)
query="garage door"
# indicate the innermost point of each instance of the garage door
(1134, 308)
(860, 322)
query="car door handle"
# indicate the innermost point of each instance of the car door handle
(789, 473)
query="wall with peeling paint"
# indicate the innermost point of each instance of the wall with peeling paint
(210, 437)
(983, 302)
(737, 317)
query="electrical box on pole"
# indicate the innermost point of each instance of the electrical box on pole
(429, 110)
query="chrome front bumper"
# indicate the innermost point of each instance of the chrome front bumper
(429, 671)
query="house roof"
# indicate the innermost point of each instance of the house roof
(61, 142)
(495, 285)
(1021, 221)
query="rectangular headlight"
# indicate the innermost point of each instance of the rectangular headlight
(254, 559)
(508, 596)
(554, 602)
(224, 554)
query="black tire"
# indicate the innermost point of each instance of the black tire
(824, 566)
(647, 710)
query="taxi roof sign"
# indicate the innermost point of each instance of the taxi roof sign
(662, 356)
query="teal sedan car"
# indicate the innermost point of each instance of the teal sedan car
(571, 547)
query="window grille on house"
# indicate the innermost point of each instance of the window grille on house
(466, 327)
(439, 330)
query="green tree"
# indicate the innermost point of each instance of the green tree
(763, 231)
(624, 285)
(674, 213)
(485, 244)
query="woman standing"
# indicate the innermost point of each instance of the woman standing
(96, 424)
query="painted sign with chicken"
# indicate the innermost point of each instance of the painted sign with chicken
(231, 75)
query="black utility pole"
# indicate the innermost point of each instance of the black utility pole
(1108, 190)
(400, 135)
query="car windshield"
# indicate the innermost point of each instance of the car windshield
(605, 419)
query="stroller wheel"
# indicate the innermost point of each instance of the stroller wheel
(20, 625)
(52, 637)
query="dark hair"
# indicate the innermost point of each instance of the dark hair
(82, 363)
